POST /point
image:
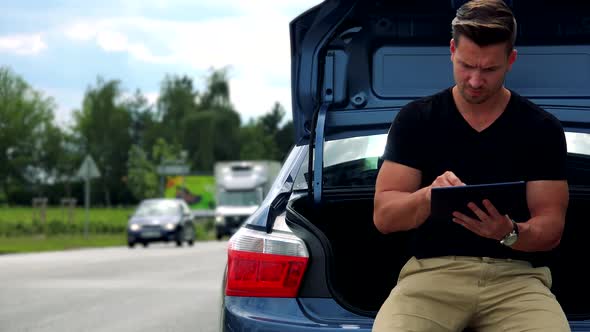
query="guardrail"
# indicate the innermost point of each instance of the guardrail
(201, 215)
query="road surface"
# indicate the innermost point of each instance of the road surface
(160, 288)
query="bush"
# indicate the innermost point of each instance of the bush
(204, 230)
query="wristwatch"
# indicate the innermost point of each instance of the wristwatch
(511, 237)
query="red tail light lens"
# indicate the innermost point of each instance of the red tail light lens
(265, 265)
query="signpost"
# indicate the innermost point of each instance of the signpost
(87, 171)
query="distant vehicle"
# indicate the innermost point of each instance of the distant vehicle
(161, 220)
(240, 188)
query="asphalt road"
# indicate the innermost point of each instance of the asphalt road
(160, 288)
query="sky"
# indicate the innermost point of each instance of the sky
(61, 47)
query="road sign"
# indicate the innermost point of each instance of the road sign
(88, 169)
(173, 169)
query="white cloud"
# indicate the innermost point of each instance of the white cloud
(254, 43)
(254, 97)
(112, 41)
(66, 99)
(152, 97)
(81, 31)
(22, 44)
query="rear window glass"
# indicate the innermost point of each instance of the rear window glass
(354, 162)
(348, 162)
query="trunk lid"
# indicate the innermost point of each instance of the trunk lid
(363, 59)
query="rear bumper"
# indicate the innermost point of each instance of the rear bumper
(293, 315)
(286, 314)
(164, 235)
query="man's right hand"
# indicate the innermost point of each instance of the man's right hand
(447, 179)
(400, 203)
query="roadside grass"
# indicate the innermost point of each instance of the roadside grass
(22, 229)
(204, 231)
(23, 221)
(39, 243)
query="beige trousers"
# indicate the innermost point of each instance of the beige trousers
(485, 294)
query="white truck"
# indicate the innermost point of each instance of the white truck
(240, 188)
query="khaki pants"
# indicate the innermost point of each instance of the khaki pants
(486, 294)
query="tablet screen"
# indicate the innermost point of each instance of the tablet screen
(508, 198)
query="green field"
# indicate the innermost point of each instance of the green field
(38, 243)
(22, 229)
(17, 221)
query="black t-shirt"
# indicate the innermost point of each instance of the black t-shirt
(525, 143)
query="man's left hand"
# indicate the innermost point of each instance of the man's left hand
(491, 224)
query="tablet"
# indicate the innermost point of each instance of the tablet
(508, 198)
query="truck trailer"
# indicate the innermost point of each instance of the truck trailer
(240, 188)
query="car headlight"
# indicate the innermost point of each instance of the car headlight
(134, 227)
(218, 219)
(169, 226)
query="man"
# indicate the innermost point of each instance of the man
(478, 273)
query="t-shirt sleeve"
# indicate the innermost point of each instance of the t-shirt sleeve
(548, 160)
(404, 139)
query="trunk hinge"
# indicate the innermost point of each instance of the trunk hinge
(316, 143)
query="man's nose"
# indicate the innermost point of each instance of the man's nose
(475, 81)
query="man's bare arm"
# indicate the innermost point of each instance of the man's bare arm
(548, 202)
(399, 205)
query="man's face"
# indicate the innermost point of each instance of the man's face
(479, 71)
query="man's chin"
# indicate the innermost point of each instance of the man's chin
(477, 99)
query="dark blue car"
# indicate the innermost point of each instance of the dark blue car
(161, 220)
(310, 258)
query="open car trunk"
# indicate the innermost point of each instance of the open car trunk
(354, 64)
(362, 265)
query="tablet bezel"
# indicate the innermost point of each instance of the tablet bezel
(508, 197)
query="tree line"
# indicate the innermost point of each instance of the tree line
(127, 137)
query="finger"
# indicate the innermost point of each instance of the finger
(441, 181)
(478, 212)
(492, 211)
(453, 179)
(466, 218)
(472, 226)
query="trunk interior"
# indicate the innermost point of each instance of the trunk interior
(363, 264)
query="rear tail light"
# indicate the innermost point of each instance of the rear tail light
(265, 265)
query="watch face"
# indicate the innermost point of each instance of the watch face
(510, 239)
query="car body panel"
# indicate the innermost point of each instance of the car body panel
(287, 314)
(307, 314)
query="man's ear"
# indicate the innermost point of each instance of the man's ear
(453, 48)
(512, 58)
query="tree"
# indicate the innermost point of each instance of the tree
(285, 139)
(142, 120)
(142, 179)
(177, 100)
(217, 93)
(271, 121)
(162, 151)
(264, 138)
(203, 123)
(25, 124)
(103, 128)
(282, 135)
(256, 144)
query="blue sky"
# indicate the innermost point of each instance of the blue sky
(60, 47)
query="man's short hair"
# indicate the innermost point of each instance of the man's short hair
(485, 22)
